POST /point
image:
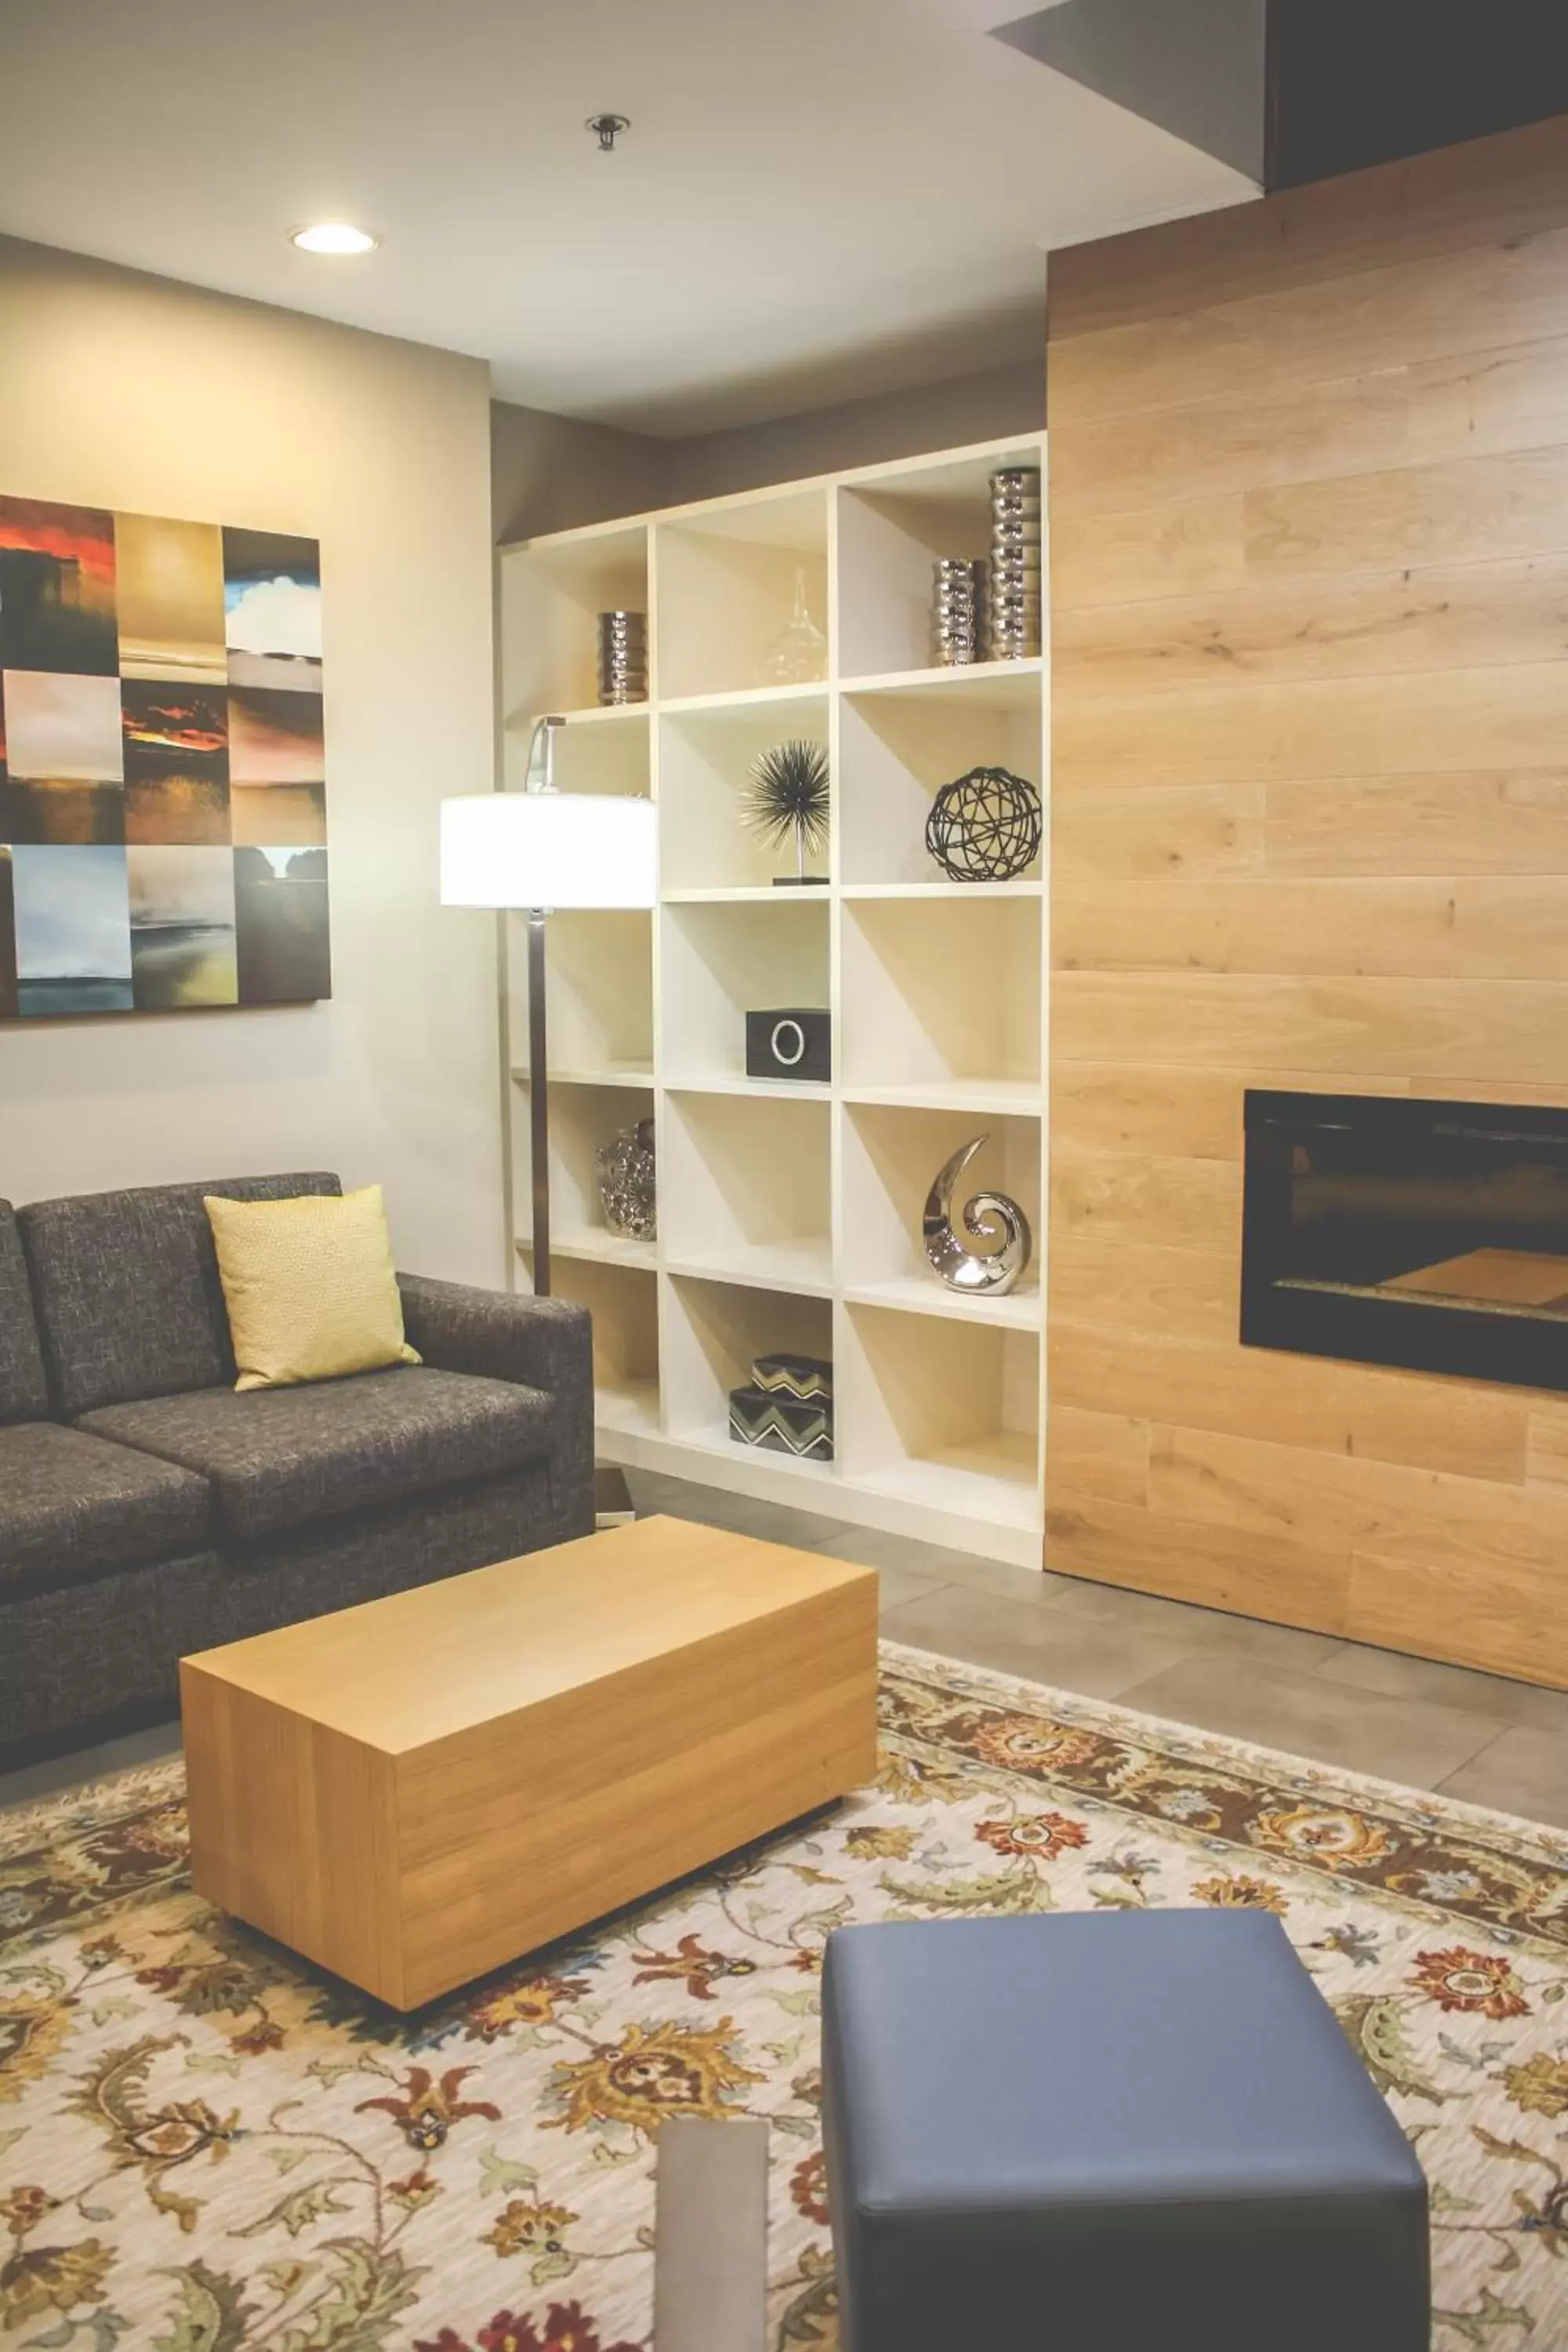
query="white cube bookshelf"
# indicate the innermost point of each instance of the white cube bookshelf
(790, 1213)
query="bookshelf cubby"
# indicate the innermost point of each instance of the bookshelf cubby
(584, 1117)
(599, 997)
(706, 845)
(789, 1214)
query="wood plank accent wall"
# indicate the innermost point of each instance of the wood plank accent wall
(1309, 502)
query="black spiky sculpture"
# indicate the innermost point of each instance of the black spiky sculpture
(785, 794)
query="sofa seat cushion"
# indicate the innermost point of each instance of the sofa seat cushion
(72, 1507)
(280, 1458)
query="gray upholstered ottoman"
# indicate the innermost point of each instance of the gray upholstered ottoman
(1134, 2131)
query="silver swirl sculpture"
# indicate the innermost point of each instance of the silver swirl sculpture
(990, 1218)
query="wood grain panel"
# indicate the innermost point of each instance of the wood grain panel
(1169, 1111)
(1228, 447)
(1546, 1452)
(1515, 1031)
(1437, 307)
(1512, 927)
(1486, 191)
(1479, 404)
(1401, 928)
(1471, 614)
(1345, 1500)
(1486, 820)
(1309, 491)
(1189, 1114)
(1099, 1454)
(1115, 1543)
(1407, 723)
(1326, 1409)
(1478, 510)
(1505, 1617)
(1201, 829)
(1469, 510)
(1484, 401)
(1180, 1203)
(1502, 927)
(1111, 1285)
(1165, 551)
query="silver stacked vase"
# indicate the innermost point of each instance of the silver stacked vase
(957, 602)
(623, 657)
(1012, 605)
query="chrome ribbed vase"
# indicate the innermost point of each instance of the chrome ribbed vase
(957, 604)
(623, 657)
(1012, 609)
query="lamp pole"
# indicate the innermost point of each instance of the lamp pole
(538, 1050)
(538, 1103)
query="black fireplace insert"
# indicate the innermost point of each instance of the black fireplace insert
(1432, 1234)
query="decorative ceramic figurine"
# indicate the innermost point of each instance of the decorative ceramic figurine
(987, 826)
(987, 1217)
(626, 1182)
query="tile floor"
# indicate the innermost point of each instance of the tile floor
(1477, 1737)
(1431, 1726)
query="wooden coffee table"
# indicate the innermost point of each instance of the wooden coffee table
(417, 1791)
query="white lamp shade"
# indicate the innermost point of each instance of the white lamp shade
(549, 849)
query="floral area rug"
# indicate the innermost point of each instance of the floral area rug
(203, 2146)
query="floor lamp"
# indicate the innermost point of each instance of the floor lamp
(539, 851)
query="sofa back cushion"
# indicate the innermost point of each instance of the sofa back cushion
(24, 1394)
(130, 1304)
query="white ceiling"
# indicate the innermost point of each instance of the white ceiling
(816, 199)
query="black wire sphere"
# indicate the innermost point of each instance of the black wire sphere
(986, 827)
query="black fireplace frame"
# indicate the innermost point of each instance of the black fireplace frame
(1522, 1350)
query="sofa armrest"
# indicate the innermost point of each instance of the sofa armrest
(541, 1343)
(545, 1343)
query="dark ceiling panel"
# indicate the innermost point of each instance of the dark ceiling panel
(1195, 66)
(1354, 82)
(1293, 90)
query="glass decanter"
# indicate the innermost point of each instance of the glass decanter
(799, 657)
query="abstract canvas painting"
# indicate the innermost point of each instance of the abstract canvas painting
(163, 770)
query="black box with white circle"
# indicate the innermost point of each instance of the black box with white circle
(795, 1042)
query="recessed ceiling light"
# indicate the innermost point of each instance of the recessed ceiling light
(333, 236)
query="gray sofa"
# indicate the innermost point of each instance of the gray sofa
(147, 1510)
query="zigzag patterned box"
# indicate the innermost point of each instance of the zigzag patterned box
(786, 1408)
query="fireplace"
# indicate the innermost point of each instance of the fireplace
(1433, 1235)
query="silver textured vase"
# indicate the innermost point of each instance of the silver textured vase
(623, 657)
(957, 602)
(628, 1189)
(1014, 616)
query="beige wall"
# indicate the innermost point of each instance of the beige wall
(982, 407)
(123, 391)
(553, 473)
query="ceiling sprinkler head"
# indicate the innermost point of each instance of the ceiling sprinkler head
(608, 129)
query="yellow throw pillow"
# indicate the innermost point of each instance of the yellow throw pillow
(309, 1288)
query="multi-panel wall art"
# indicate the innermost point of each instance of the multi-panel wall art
(163, 789)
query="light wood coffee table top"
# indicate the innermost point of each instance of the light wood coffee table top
(415, 1790)
(421, 1665)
